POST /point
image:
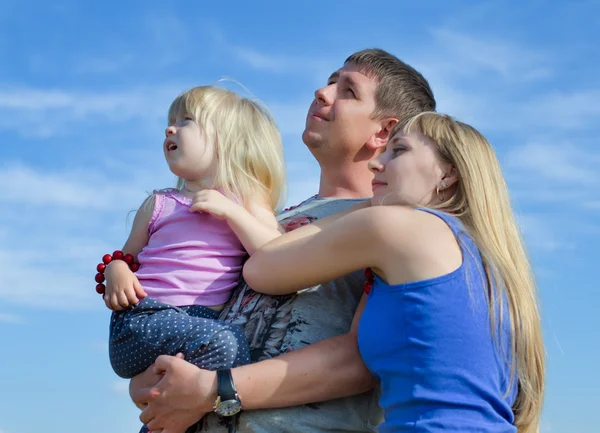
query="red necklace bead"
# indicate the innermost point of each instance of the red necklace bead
(117, 255)
(101, 267)
(100, 288)
(369, 283)
(107, 258)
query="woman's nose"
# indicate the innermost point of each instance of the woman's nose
(375, 165)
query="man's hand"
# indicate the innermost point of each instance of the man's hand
(122, 287)
(173, 394)
(213, 202)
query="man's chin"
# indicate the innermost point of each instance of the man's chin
(313, 140)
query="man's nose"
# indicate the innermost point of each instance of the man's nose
(323, 95)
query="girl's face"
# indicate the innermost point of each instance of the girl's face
(190, 155)
(409, 171)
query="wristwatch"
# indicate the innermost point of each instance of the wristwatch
(228, 402)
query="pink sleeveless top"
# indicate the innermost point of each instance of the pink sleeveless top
(191, 258)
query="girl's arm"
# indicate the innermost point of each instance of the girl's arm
(254, 227)
(122, 287)
(138, 238)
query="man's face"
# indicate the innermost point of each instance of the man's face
(339, 119)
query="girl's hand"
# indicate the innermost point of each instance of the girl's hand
(123, 289)
(213, 202)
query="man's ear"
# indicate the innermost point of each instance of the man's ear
(381, 137)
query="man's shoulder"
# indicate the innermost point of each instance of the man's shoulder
(315, 208)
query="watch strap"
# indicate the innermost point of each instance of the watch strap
(225, 387)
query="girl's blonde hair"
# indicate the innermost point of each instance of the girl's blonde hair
(482, 203)
(249, 150)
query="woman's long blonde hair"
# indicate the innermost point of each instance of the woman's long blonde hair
(482, 203)
(250, 162)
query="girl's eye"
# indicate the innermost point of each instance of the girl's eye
(397, 150)
(188, 118)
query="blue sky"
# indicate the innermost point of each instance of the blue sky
(84, 89)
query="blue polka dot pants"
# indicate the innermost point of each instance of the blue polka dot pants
(151, 328)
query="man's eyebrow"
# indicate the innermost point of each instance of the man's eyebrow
(333, 76)
(352, 83)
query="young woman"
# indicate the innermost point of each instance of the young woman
(449, 324)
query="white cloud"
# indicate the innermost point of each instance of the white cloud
(120, 387)
(10, 318)
(563, 162)
(539, 234)
(578, 109)
(290, 117)
(99, 346)
(469, 54)
(54, 231)
(103, 65)
(38, 112)
(64, 189)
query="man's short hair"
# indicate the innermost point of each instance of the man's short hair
(402, 92)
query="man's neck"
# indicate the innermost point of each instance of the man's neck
(346, 181)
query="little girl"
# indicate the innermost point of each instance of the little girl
(190, 242)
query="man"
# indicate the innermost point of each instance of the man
(305, 344)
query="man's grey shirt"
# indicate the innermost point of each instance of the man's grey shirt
(276, 325)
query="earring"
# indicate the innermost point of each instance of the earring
(439, 190)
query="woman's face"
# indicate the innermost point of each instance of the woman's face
(409, 172)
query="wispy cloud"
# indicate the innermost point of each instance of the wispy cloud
(120, 387)
(539, 234)
(472, 55)
(58, 235)
(39, 112)
(12, 319)
(579, 109)
(103, 65)
(63, 189)
(563, 162)
(290, 117)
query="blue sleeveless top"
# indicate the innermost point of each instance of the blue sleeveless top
(430, 345)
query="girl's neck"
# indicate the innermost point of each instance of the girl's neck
(192, 187)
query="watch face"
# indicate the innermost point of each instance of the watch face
(229, 407)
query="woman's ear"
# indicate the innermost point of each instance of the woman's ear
(449, 176)
(380, 138)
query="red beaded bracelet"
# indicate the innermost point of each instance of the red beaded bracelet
(106, 259)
